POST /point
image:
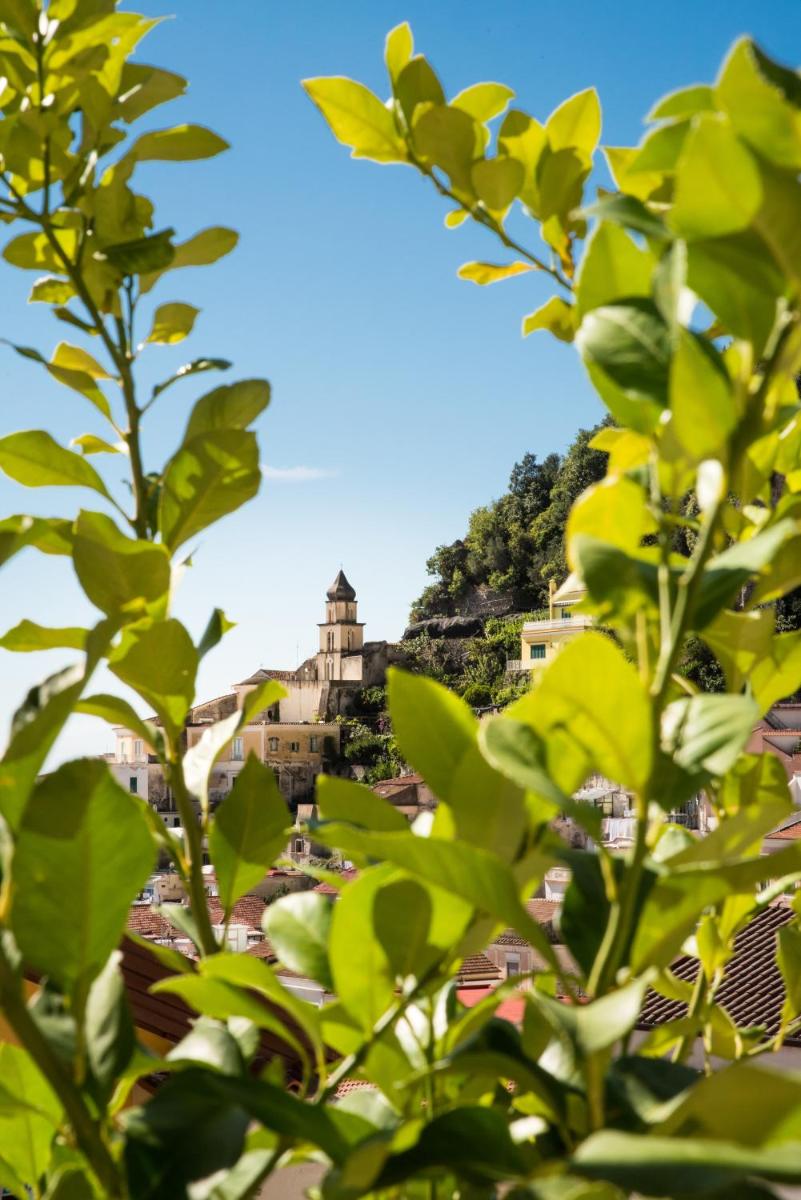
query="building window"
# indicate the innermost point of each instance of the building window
(238, 748)
(273, 744)
(138, 751)
(538, 650)
(123, 751)
(294, 746)
(313, 743)
(566, 613)
(133, 785)
(298, 847)
(512, 965)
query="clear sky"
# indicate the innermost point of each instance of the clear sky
(402, 396)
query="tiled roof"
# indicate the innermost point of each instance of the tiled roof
(262, 949)
(398, 783)
(477, 968)
(789, 833)
(329, 889)
(145, 921)
(263, 674)
(752, 992)
(543, 911)
(248, 910)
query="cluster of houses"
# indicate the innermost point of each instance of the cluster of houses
(298, 737)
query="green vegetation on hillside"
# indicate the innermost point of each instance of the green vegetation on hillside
(515, 544)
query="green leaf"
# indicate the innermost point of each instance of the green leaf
(210, 476)
(484, 273)
(613, 267)
(484, 101)
(417, 84)
(497, 181)
(597, 1025)
(718, 189)
(446, 137)
(216, 629)
(182, 143)
(211, 1044)
(660, 149)
(119, 712)
(201, 250)
(434, 727)
(74, 358)
(398, 49)
(357, 118)
(402, 914)
(701, 397)
(595, 692)
(27, 1132)
(193, 368)
(342, 800)
(34, 459)
(51, 290)
(84, 849)
(109, 1029)
(630, 342)
(728, 571)
(143, 88)
(685, 102)
(249, 830)
(232, 406)
(159, 662)
(51, 535)
(555, 315)
(629, 212)
(89, 443)
(117, 573)
(761, 100)
(738, 280)
(742, 642)
(614, 511)
(524, 139)
(361, 974)
(708, 732)
(659, 1166)
(28, 636)
(576, 124)
(788, 960)
(172, 323)
(777, 672)
(298, 927)
(143, 255)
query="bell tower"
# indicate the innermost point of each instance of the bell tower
(341, 634)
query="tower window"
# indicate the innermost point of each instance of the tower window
(133, 785)
(137, 751)
(538, 650)
(238, 748)
(313, 742)
(294, 746)
(273, 744)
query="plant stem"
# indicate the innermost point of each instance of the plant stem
(87, 1131)
(194, 846)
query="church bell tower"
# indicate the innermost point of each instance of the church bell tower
(341, 634)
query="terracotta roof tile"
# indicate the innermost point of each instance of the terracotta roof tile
(248, 910)
(477, 968)
(789, 834)
(752, 992)
(262, 949)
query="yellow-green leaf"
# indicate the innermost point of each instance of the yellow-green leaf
(613, 267)
(483, 273)
(576, 124)
(483, 101)
(172, 323)
(398, 49)
(718, 189)
(357, 118)
(555, 315)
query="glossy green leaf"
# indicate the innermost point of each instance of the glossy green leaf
(357, 118)
(35, 459)
(612, 267)
(109, 1028)
(434, 728)
(89, 443)
(216, 629)
(417, 84)
(614, 511)
(85, 848)
(248, 831)
(726, 573)
(26, 1134)
(192, 368)
(142, 255)
(497, 182)
(718, 189)
(342, 800)
(446, 137)
(119, 712)
(742, 643)
(117, 573)
(172, 323)
(776, 672)
(298, 927)
(708, 732)
(761, 101)
(738, 281)
(201, 250)
(630, 213)
(232, 406)
(701, 397)
(361, 972)
(629, 341)
(159, 662)
(210, 476)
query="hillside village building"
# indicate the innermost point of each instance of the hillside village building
(298, 736)
(541, 641)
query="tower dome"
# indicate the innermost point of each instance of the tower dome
(340, 589)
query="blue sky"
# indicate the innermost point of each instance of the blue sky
(402, 396)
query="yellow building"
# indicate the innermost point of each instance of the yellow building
(541, 641)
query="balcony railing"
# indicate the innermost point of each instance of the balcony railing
(556, 625)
